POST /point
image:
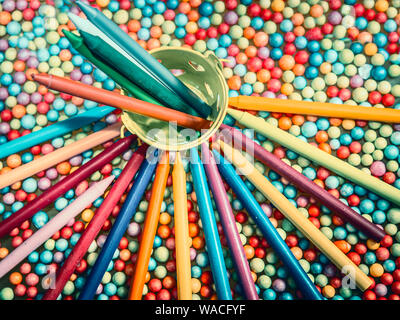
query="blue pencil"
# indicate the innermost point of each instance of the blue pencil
(272, 236)
(210, 230)
(55, 130)
(118, 229)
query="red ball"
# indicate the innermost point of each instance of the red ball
(254, 10)
(327, 28)
(361, 248)
(369, 14)
(150, 296)
(231, 4)
(212, 32)
(388, 100)
(260, 253)
(266, 14)
(16, 241)
(396, 287)
(301, 57)
(387, 241)
(291, 241)
(254, 64)
(335, 4)
(241, 217)
(20, 290)
(359, 9)
(343, 152)
(223, 28)
(163, 295)
(155, 285)
(355, 257)
(322, 174)
(381, 17)
(355, 147)
(382, 254)
(254, 242)
(190, 39)
(332, 91)
(277, 17)
(374, 97)
(387, 279)
(66, 232)
(353, 200)
(28, 14)
(81, 267)
(78, 226)
(119, 265)
(31, 292)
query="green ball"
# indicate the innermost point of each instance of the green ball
(6, 294)
(161, 254)
(393, 215)
(264, 282)
(269, 270)
(395, 250)
(69, 288)
(119, 278)
(257, 265)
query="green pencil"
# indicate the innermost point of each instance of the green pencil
(78, 44)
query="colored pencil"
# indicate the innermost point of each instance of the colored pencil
(210, 230)
(118, 229)
(150, 228)
(55, 224)
(145, 59)
(62, 186)
(51, 159)
(182, 240)
(229, 224)
(57, 129)
(303, 183)
(306, 227)
(304, 283)
(97, 222)
(117, 100)
(318, 156)
(78, 44)
(324, 109)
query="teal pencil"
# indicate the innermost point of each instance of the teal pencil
(131, 47)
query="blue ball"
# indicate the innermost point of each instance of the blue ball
(206, 9)
(309, 129)
(29, 185)
(40, 219)
(269, 294)
(276, 40)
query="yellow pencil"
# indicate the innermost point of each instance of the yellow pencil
(305, 226)
(324, 109)
(182, 240)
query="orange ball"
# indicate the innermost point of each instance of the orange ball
(284, 123)
(325, 67)
(251, 51)
(298, 120)
(163, 231)
(198, 243)
(155, 32)
(77, 101)
(195, 3)
(249, 32)
(153, 44)
(193, 229)
(65, 55)
(297, 19)
(5, 17)
(287, 89)
(260, 39)
(297, 252)
(325, 147)
(299, 69)
(321, 136)
(19, 65)
(63, 168)
(125, 255)
(263, 75)
(286, 62)
(3, 253)
(15, 278)
(18, 111)
(299, 31)
(277, 5)
(381, 5)
(316, 11)
(14, 161)
(193, 15)
(134, 26)
(343, 245)
(248, 251)
(336, 122)
(234, 82)
(184, 7)
(241, 58)
(165, 218)
(365, 37)
(370, 49)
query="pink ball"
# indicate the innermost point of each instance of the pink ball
(378, 169)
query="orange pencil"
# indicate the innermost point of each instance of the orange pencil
(323, 109)
(150, 227)
(117, 100)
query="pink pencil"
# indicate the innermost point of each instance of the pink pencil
(55, 224)
(94, 227)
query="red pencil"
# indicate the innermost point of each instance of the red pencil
(94, 227)
(46, 198)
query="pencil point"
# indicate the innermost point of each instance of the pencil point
(238, 115)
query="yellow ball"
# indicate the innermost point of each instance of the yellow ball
(328, 291)
(372, 245)
(87, 215)
(196, 285)
(376, 270)
(102, 3)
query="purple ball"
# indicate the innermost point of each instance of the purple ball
(279, 285)
(269, 94)
(263, 53)
(127, 155)
(36, 97)
(267, 209)
(381, 290)
(52, 173)
(19, 77)
(8, 198)
(22, 5)
(87, 79)
(4, 128)
(231, 18)
(76, 161)
(9, 5)
(192, 254)
(24, 54)
(356, 81)
(23, 98)
(3, 44)
(44, 183)
(58, 257)
(330, 270)
(334, 18)
(76, 75)
(133, 229)
(111, 118)
(3, 93)
(32, 62)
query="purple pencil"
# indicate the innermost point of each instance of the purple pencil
(228, 223)
(303, 183)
